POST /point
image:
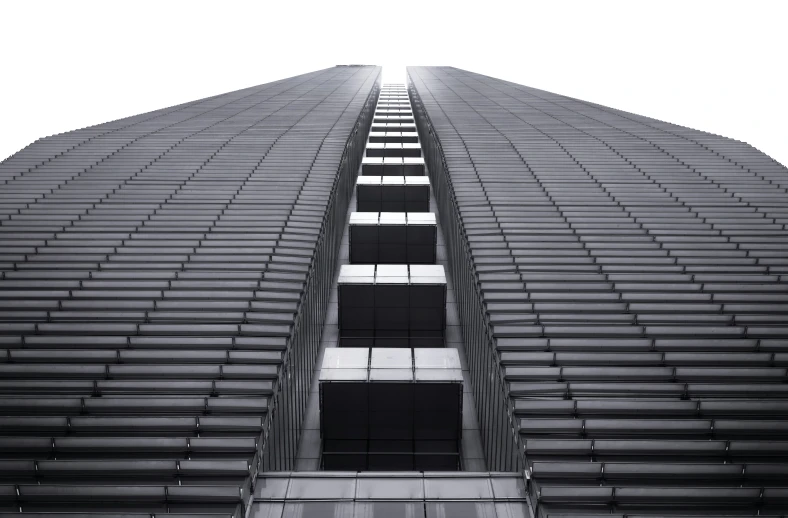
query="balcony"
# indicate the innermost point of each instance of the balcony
(395, 149)
(392, 166)
(393, 238)
(393, 194)
(392, 305)
(391, 409)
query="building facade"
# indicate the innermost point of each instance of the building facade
(325, 296)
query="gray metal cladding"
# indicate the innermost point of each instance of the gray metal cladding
(623, 286)
(163, 282)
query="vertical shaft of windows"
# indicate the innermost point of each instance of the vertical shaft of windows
(390, 397)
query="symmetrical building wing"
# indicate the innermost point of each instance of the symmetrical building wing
(164, 283)
(459, 297)
(623, 288)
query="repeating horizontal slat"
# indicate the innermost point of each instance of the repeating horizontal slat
(626, 280)
(154, 274)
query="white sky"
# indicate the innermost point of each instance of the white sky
(718, 66)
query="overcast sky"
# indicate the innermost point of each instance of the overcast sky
(716, 66)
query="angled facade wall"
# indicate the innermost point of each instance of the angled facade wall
(164, 283)
(623, 285)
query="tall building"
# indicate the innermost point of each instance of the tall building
(459, 297)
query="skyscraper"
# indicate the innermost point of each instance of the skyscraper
(325, 296)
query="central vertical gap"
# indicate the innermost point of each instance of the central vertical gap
(309, 448)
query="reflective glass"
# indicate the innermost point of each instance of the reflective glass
(389, 510)
(321, 488)
(512, 510)
(457, 487)
(460, 510)
(394, 488)
(271, 487)
(318, 510)
(267, 510)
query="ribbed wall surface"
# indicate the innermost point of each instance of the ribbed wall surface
(623, 284)
(157, 273)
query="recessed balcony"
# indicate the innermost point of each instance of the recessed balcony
(393, 238)
(392, 305)
(390, 409)
(402, 127)
(392, 119)
(392, 166)
(393, 194)
(395, 149)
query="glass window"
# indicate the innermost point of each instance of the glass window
(271, 488)
(321, 488)
(460, 510)
(508, 487)
(394, 488)
(389, 510)
(267, 510)
(457, 488)
(318, 510)
(512, 510)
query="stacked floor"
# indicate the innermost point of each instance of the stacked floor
(163, 284)
(616, 291)
(626, 282)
